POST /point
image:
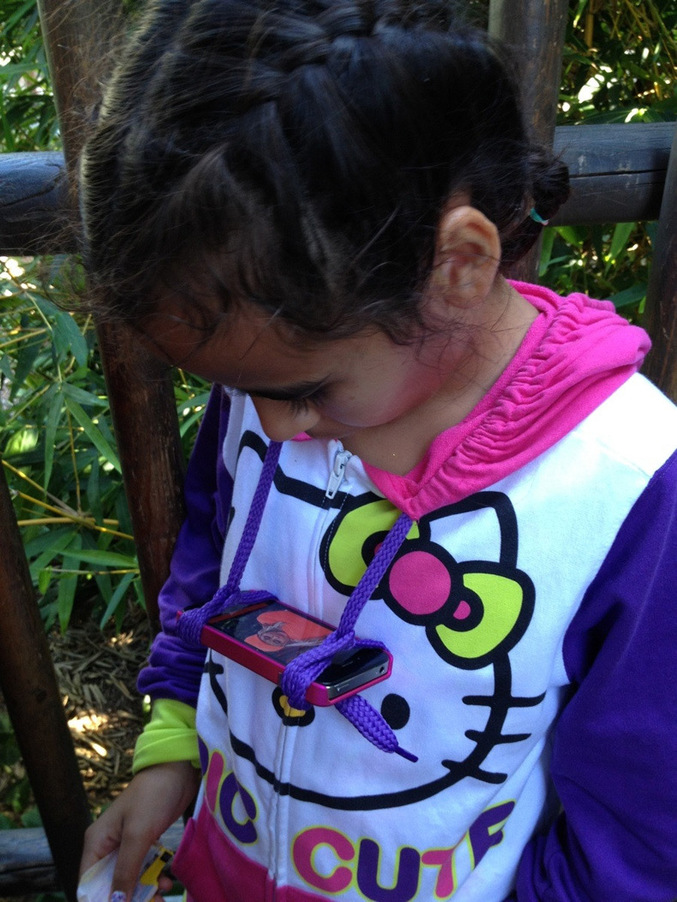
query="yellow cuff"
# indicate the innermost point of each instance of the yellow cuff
(169, 736)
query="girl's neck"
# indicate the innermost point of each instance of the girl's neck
(497, 329)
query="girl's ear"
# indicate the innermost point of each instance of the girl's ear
(467, 256)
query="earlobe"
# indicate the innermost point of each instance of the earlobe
(467, 256)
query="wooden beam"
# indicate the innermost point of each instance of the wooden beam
(617, 174)
(29, 687)
(27, 866)
(34, 204)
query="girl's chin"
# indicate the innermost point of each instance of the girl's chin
(329, 434)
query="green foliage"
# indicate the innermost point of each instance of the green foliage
(14, 786)
(619, 62)
(604, 261)
(58, 451)
(619, 66)
(27, 114)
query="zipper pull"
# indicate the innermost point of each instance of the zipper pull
(336, 476)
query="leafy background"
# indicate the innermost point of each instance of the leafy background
(55, 439)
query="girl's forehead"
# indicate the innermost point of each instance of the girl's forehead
(178, 332)
(250, 349)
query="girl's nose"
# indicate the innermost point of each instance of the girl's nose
(280, 421)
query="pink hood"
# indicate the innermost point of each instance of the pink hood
(577, 352)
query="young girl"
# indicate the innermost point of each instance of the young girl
(310, 203)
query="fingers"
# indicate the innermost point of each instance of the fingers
(101, 838)
(129, 865)
(154, 799)
(131, 868)
(113, 834)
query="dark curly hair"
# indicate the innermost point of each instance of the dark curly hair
(298, 154)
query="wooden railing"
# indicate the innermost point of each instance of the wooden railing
(618, 174)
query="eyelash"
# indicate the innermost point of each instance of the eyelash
(298, 406)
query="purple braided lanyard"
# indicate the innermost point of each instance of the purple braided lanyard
(189, 624)
(300, 673)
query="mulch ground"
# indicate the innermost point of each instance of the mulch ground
(97, 676)
(96, 672)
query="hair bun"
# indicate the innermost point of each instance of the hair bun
(550, 188)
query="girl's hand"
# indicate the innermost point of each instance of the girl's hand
(155, 798)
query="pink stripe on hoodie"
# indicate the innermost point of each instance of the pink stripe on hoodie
(577, 352)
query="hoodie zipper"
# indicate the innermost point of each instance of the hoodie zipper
(337, 474)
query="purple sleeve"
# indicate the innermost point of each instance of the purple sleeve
(615, 745)
(174, 668)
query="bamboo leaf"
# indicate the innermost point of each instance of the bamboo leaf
(105, 558)
(619, 240)
(93, 434)
(573, 235)
(68, 583)
(47, 540)
(83, 396)
(44, 579)
(16, 70)
(69, 339)
(549, 236)
(21, 442)
(116, 598)
(65, 597)
(93, 490)
(18, 14)
(53, 546)
(630, 296)
(55, 399)
(25, 361)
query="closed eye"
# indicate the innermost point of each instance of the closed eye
(299, 397)
(301, 405)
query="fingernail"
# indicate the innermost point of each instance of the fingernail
(118, 896)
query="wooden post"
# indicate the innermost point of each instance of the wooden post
(31, 693)
(81, 36)
(661, 303)
(146, 427)
(535, 30)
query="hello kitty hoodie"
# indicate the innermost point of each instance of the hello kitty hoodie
(531, 612)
